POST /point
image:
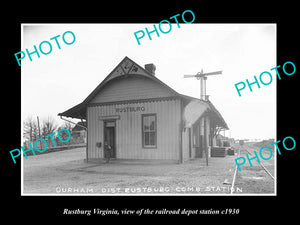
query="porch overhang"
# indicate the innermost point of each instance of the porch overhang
(197, 108)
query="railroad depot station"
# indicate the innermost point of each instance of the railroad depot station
(142, 118)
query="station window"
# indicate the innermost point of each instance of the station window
(149, 132)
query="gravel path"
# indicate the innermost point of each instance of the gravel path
(66, 173)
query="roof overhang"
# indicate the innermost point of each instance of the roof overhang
(78, 111)
(194, 108)
(197, 108)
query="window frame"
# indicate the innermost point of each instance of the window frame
(155, 136)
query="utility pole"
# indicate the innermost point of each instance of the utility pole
(202, 77)
(38, 122)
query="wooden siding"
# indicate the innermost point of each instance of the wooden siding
(197, 131)
(129, 130)
(130, 87)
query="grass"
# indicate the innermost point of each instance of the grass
(254, 180)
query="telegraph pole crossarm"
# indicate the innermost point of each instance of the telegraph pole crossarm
(201, 74)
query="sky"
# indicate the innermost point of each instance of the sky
(62, 79)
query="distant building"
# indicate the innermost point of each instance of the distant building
(141, 117)
(223, 141)
(79, 132)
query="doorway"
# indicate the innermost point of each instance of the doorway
(197, 140)
(110, 136)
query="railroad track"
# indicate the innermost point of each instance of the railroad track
(235, 171)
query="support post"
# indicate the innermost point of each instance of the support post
(205, 141)
(181, 125)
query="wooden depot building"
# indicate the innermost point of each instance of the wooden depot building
(142, 118)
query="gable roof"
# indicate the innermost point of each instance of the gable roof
(125, 68)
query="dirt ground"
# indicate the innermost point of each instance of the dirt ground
(66, 173)
(255, 179)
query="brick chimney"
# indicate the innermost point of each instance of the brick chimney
(150, 68)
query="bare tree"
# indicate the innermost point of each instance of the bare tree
(48, 126)
(68, 126)
(30, 129)
(63, 134)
